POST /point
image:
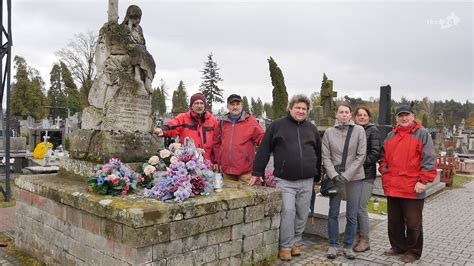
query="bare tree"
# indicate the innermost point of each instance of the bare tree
(78, 55)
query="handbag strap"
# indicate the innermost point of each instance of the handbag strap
(346, 147)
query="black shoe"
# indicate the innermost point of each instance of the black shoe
(392, 252)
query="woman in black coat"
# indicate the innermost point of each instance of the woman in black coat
(374, 148)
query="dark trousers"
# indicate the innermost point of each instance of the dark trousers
(405, 225)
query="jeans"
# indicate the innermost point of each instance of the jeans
(353, 191)
(363, 224)
(296, 198)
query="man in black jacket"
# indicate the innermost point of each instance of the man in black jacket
(296, 147)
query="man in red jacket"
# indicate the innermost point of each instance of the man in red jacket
(235, 146)
(408, 164)
(197, 124)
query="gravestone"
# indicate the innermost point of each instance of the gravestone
(317, 223)
(318, 115)
(327, 102)
(440, 133)
(385, 114)
(119, 119)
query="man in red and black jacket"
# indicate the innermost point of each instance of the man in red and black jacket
(408, 164)
(239, 132)
(197, 124)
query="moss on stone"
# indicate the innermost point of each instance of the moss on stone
(131, 210)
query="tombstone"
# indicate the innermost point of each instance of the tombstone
(327, 102)
(119, 120)
(317, 223)
(385, 112)
(318, 115)
(57, 122)
(45, 123)
(471, 143)
(440, 134)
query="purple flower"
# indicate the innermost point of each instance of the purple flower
(191, 165)
(182, 172)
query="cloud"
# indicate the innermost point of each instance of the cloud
(360, 45)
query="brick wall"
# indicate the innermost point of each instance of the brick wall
(219, 229)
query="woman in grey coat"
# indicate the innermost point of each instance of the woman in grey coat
(374, 148)
(348, 180)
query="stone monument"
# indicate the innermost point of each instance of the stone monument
(119, 119)
(327, 102)
(440, 135)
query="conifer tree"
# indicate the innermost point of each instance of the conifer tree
(424, 120)
(180, 99)
(155, 99)
(27, 91)
(158, 98)
(253, 106)
(279, 93)
(63, 94)
(245, 103)
(267, 107)
(210, 78)
(73, 96)
(259, 105)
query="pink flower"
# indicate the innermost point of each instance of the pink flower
(106, 168)
(165, 153)
(115, 181)
(149, 170)
(124, 192)
(127, 187)
(126, 179)
(154, 159)
(110, 177)
(174, 160)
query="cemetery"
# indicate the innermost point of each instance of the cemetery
(99, 187)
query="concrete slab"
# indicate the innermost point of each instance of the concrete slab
(318, 221)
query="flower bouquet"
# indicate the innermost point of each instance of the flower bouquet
(157, 164)
(188, 174)
(113, 178)
(268, 180)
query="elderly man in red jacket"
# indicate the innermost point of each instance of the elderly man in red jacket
(197, 124)
(235, 145)
(408, 164)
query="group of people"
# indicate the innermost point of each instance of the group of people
(347, 154)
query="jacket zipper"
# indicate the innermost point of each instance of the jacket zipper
(301, 151)
(230, 148)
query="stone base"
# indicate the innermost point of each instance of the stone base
(100, 146)
(318, 221)
(85, 168)
(60, 224)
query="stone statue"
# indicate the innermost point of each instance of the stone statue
(141, 60)
(125, 69)
(461, 127)
(119, 119)
(440, 135)
(327, 101)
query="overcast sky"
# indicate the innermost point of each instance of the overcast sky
(420, 48)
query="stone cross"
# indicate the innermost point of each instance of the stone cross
(113, 11)
(46, 137)
(58, 121)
